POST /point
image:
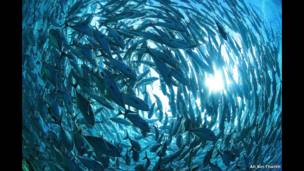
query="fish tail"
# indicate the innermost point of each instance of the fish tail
(127, 136)
(146, 156)
(121, 113)
(74, 85)
(60, 120)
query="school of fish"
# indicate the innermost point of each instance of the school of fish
(121, 85)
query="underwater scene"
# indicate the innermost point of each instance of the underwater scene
(151, 85)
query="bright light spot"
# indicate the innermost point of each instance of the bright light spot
(175, 89)
(235, 74)
(239, 100)
(215, 83)
(141, 68)
(203, 113)
(209, 118)
(198, 101)
(158, 124)
(238, 39)
(218, 40)
(151, 44)
(217, 121)
(227, 80)
(235, 121)
(183, 53)
(95, 22)
(224, 54)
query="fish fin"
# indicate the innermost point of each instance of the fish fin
(146, 156)
(119, 113)
(60, 121)
(127, 136)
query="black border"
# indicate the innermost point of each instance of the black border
(292, 118)
(11, 95)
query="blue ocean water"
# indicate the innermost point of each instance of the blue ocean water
(271, 11)
(151, 85)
